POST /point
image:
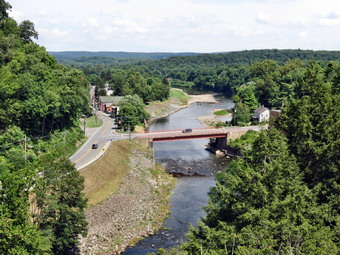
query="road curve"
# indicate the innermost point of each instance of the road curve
(85, 154)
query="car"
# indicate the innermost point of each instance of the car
(187, 130)
(94, 146)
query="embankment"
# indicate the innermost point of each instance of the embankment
(128, 198)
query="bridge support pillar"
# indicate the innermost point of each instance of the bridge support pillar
(221, 142)
(150, 144)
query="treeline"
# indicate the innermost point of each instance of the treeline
(41, 201)
(283, 196)
(78, 56)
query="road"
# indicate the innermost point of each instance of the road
(85, 154)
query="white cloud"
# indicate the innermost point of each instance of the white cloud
(43, 13)
(56, 34)
(93, 23)
(245, 32)
(127, 26)
(264, 18)
(182, 25)
(303, 34)
(329, 22)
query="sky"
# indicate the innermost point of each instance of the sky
(182, 25)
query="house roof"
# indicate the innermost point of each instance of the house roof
(261, 109)
(110, 99)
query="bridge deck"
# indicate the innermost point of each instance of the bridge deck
(173, 135)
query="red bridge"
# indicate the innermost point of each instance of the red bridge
(174, 135)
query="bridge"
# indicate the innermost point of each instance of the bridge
(222, 135)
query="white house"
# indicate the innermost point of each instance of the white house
(261, 114)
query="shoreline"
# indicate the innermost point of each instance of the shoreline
(174, 105)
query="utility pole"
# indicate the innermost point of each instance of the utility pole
(84, 116)
(153, 157)
(25, 148)
(95, 114)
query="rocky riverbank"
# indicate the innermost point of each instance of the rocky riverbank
(135, 210)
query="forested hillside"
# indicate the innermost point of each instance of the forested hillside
(41, 200)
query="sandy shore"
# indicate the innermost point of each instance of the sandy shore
(205, 98)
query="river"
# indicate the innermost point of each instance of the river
(195, 167)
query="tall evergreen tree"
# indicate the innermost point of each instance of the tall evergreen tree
(311, 122)
(261, 206)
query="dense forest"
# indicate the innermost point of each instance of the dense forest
(41, 201)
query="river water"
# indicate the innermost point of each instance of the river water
(195, 167)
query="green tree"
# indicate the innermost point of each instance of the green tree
(265, 75)
(4, 8)
(18, 235)
(61, 204)
(247, 96)
(242, 114)
(132, 111)
(10, 27)
(27, 31)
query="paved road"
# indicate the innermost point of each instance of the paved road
(85, 155)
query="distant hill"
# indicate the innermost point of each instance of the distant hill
(248, 57)
(160, 60)
(71, 55)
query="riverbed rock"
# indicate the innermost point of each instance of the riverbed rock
(219, 153)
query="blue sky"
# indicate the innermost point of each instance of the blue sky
(182, 25)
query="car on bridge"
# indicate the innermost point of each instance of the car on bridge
(187, 130)
(94, 146)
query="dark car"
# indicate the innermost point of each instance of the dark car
(94, 146)
(187, 130)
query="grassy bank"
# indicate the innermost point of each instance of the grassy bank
(93, 122)
(128, 198)
(102, 178)
(176, 101)
(180, 95)
(222, 112)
